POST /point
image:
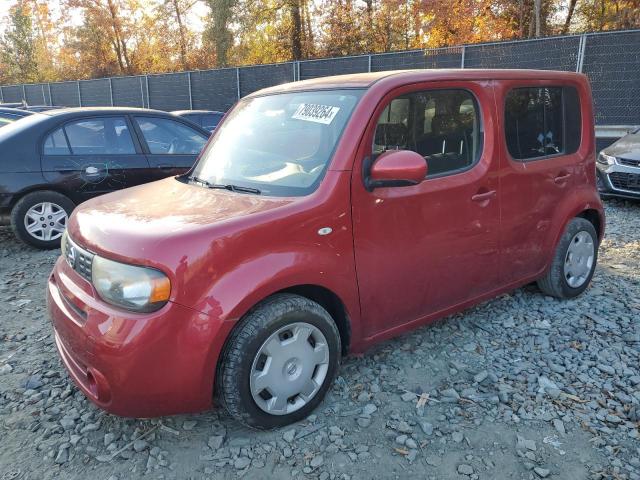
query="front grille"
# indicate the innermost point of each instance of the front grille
(628, 162)
(79, 259)
(625, 181)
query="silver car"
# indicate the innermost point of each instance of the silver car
(619, 167)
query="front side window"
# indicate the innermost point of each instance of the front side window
(99, 136)
(279, 144)
(441, 125)
(164, 136)
(56, 144)
(542, 121)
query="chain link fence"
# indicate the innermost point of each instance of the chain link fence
(611, 60)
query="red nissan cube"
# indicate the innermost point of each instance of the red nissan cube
(322, 217)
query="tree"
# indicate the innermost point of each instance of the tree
(19, 46)
(219, 30)
(602, 15)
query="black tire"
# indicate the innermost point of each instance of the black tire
(232, 380)
(554, 282)
(20, 209)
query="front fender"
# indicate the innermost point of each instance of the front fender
(235, 293)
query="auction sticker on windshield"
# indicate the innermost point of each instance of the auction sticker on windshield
(312, 112)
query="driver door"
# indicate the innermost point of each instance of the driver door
(424, 249)
(171, 146)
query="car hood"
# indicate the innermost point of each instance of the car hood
(148, 221)
(627, 147)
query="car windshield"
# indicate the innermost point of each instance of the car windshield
(278, 144)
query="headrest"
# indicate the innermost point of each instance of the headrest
(445, 124)
(391, 134)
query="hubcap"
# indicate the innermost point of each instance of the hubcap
(289, 368)
(46, 221)
(579, 260)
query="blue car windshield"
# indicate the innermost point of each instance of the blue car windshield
(279, 144)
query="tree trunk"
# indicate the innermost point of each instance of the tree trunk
(309, 50)
(121, 48)
(296, 29)
(221, 15)
(521, 14)
(183, 39)
(537, 7)
(369, 33)
(567, 22)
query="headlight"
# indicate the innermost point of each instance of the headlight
(605, 159)
(135, 288)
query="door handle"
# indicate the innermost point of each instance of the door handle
(165, 166)
(562, 178)
(481, 197)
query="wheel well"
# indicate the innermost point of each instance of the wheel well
(594, 217)
(38, 188)
(332, 304)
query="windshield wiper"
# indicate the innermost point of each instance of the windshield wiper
(199, 180)
(227, 186)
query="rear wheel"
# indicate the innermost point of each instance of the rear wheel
(574, 261)
(40, 218)
(279, 363)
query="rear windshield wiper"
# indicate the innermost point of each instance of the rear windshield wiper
(228, 186)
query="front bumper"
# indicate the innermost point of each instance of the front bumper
(618, 181)
(130, 364)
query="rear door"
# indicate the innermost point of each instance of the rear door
(94, 155)
(171, 146)
(541, 135)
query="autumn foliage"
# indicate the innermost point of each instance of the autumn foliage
(77, 39)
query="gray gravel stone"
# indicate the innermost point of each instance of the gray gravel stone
(241, 463)
(289, 435)
(215, 442)
(541, 472)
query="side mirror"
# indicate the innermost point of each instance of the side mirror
(394, 168)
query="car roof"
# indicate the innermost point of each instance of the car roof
(71, 111)
(366, 80)
(69, 114)
(187, 112)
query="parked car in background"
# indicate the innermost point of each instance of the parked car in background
(43, 108)
(322, 217)
(13, 105)
(12, 114)
(207, 119)
(619, 168)
(53, 161)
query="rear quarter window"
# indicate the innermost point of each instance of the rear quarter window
(542, 122)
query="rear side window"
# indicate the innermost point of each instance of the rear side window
(100, 136)
(164, 136)
(542, 122)
(56, 144)
(441, 125)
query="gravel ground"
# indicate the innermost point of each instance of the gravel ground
(520, 387)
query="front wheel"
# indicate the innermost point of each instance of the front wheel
(40, 218)
(574, 261)
(279, 362)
